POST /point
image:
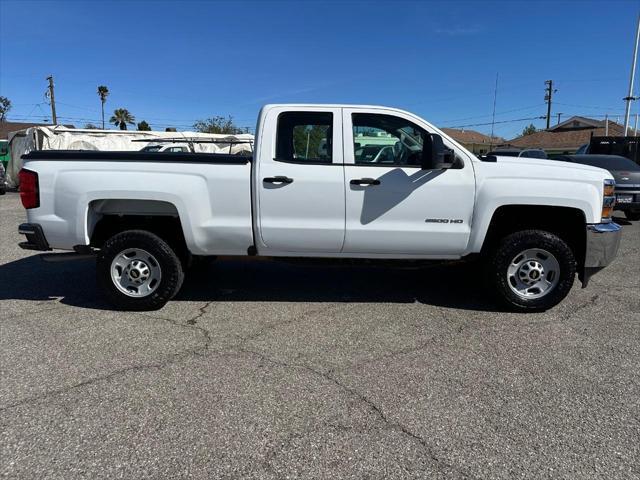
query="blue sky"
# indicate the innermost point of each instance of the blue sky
(172, 62)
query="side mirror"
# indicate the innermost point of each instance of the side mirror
(435, 156)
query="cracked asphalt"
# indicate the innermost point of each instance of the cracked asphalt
(271, 370)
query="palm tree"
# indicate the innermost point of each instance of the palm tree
(121, 117)
(103, 92)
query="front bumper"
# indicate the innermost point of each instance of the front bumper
(35, 237)
(603, 240)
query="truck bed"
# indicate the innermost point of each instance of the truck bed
(209, 193)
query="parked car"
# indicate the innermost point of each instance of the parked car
(626, 174)
(516, 152)
(386, 185)
(3, 180)
(166, 148)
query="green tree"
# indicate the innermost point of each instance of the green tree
(143, 126)
(5, 106)
(310, 141)
(217, 125)
(103, 93)
(121, 117)
(529, 130)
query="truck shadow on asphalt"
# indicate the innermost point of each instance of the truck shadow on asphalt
(244, 280)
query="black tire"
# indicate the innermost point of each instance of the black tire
(171, 277)
(3, 190)
(514, 244)
(633, 216)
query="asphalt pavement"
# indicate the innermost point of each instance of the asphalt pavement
(261, 369)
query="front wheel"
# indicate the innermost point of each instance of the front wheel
(532, 270)
(137, 270)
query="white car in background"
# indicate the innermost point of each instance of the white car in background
(516, 152)
(166, 148)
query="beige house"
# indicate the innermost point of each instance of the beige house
(473, 141)
(568, 136)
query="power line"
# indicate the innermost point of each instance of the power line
(594, 107)
(497, 113)
(502, 121)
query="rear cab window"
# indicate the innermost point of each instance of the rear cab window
(305, 137)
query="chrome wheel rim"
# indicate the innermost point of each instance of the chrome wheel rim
(135, 272)
(533, 273)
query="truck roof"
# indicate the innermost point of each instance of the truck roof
(333, 105)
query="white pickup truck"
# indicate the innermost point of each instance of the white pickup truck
(333, 181)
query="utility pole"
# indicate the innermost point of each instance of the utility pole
(635, 127)
(559, 115)
(606, 125)
(53, 100)
(630, 97)
(547, 97)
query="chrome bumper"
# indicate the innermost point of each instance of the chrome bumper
(603, 240)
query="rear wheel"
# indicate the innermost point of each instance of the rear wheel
(532, 270)
(137, 270)
(634, 216)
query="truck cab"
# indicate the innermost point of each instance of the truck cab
(365, 194)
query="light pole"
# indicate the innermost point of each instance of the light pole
(630, 97)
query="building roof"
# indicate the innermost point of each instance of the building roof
(8, 127)
(577, 122)
(563, 137)
(471, 136)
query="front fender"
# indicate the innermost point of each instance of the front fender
(500, 192)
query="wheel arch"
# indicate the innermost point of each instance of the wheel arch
(568, 223)
(107, 217)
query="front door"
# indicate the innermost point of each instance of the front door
(393, 207)
(301, 182)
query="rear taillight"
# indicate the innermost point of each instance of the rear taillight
(29, 192)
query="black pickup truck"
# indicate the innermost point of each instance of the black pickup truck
(626, 174)
(628, 147)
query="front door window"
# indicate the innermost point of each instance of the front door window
(386, 140)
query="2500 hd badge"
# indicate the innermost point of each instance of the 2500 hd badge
(443, 220)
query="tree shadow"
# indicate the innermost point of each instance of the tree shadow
(246, 280)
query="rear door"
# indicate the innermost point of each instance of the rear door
(393, 207)
(300, 181)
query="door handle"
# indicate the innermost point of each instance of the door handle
(365, 181)
(279, 179)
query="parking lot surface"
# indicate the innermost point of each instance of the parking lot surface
(273, 370)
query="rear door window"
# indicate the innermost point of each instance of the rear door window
(305, 137)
